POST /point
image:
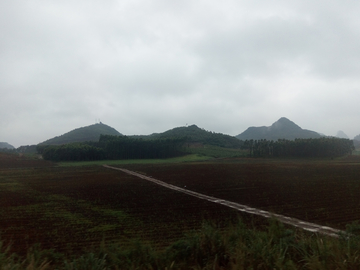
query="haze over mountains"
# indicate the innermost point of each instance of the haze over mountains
(281, 129)
(5, 145)
(341, 134)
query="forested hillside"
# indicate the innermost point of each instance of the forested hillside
(194, 134)
(99, 142)
(83, 134)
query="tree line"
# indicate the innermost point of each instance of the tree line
(71, 152)
(319, 147)
(113, 147)
(123, 147)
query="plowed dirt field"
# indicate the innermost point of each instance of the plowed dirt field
(71, 209)
(326, 192)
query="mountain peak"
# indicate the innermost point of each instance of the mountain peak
(193, 126)
(281, 129)
(284, 123)
(283, 119)
(341, 134)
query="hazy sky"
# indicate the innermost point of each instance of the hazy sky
(145, 66)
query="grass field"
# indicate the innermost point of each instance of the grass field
(217, 152)
(187, 158)
(72, 209)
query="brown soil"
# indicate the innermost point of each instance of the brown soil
(70, 209)
(15, 161)
(321, 192)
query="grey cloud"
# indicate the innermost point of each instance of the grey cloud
(148, 66)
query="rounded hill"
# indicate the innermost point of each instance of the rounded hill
(194, 134)
(83, 134)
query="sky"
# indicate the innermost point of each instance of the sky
(146, 66)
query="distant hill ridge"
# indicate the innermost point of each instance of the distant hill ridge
(341, 134)
(197, 135)
(83, 134)
(5, 145)
(281, 129)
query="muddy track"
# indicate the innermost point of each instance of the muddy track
(308, 226)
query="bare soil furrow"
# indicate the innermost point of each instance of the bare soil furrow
(308, 226)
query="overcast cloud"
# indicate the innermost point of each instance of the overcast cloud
(149, 66)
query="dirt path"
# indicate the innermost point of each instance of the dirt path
(312, 227)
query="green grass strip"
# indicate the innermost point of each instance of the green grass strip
(187, 158)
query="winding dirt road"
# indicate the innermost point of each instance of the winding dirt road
(312, 227)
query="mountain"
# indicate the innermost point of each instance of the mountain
(341, 134)
(197, 135)
(281, 129)
(6, 145)
(83, 134)
(357, 138)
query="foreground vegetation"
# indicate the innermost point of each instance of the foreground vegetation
(234, 247)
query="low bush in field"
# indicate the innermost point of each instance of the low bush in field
(233, 247)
